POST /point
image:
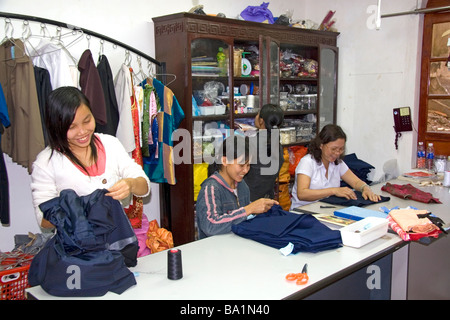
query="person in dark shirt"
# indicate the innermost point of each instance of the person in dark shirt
(264, 170)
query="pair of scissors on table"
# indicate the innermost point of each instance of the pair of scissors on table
(301, 278)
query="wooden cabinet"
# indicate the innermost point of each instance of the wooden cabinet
(434, 108)
(294, 68)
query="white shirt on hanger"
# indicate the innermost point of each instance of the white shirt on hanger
(57, 60)
(124, 90)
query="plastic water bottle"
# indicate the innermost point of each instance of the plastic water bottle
(430, 156)
(447, 173)
(420, 156)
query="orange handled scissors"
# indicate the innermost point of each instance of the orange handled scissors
(302, 278)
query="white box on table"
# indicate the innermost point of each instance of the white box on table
(364, 231)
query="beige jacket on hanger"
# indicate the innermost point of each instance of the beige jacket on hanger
(24, 139)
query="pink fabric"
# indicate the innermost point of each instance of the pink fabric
(141, 234)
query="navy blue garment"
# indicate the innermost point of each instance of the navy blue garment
(86, 256)
(358, 202)
(276, 228)
(360, 168)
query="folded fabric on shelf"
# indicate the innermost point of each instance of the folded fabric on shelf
(277, 228)
(408, 191)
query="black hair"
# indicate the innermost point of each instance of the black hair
(273, 117)
(329, 133)
(62, 104)
(232, 147)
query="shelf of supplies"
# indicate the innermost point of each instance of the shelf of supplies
(298, 78)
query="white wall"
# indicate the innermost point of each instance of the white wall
(378, 70)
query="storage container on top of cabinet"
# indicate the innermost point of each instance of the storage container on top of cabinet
(226, 69)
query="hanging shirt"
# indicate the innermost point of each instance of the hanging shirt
(124, 91)
(169, 118)
(24, 139)
(91, 86)
(57, 60)
(112, 110)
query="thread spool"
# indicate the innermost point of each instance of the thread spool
(250, 101)
(174, 266)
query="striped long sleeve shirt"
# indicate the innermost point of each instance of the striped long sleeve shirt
(219, 206)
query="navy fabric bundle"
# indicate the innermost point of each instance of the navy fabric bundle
(360, 168)
(276, 228)
(359, 202)
(91, 249)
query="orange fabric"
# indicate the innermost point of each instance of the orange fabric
(296, 153)
(284, 176)
(284, 198)
(158, 239)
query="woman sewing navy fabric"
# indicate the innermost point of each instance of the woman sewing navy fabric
(224, 198)
(79, 159)
(319, 173)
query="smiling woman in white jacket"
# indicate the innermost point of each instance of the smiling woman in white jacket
(79, 159)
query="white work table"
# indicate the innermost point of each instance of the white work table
(230, 267)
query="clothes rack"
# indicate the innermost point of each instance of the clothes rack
(161, 65)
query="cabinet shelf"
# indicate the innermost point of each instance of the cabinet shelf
(309, 79)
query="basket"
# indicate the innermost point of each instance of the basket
(14, 281)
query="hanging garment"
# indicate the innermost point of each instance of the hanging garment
(4, 183)
(94, 240)
(408, 191)
(57, 60)
(150, 129)
(112, 109)
(149, 108)
(139, 95)
(169, 118)
(135, 209)
(19, 86)
(124, 91)
(91, 86)
(43, 88)
(359, 201)
(277, 228)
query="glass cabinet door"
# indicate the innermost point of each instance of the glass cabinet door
(270, 61)
(438, 111)
(210, 96)
(328, 61)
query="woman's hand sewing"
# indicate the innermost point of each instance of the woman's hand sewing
(368, 194)
(345, 192)
(122, 188)
(260, 206)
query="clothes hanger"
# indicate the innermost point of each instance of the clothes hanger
(9, 28)
(56, 40)
(140, 75)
